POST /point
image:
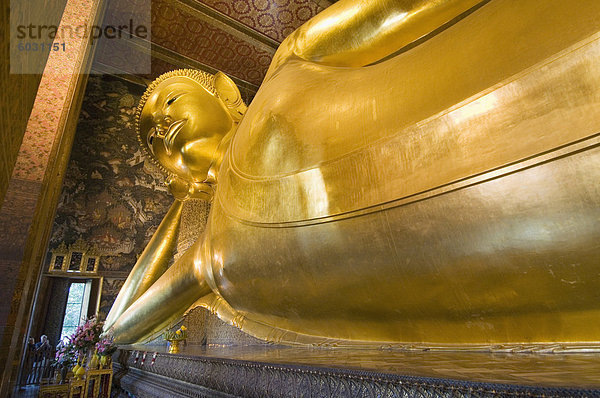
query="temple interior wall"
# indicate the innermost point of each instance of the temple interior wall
(111, 197)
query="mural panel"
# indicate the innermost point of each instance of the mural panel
(111, 197)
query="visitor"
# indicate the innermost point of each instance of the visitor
(63, 342)
(43, 343)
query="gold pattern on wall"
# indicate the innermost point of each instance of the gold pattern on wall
(78, 258)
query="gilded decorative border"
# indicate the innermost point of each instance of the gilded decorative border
(254, 379)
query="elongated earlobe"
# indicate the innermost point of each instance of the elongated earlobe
(183, 190)
(230, 95)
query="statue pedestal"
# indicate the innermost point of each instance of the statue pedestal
(275, 371)
(221, 361)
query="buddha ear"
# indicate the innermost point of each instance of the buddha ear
(184, 190)
(230, 95)
(179, 188)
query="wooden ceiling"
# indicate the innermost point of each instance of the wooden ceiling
(237, 37)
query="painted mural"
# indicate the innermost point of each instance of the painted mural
(111, 197)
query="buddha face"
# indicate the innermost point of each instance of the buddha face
(182, 124)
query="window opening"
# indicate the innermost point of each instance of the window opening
(76, 308)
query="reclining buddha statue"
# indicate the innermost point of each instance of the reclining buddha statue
(411, 173)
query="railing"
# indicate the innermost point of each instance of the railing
(37, 365)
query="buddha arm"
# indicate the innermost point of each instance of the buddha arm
(151, 264)
(360, 32)
(168, 298)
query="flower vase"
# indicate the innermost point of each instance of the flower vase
(80, 373)
(93, 360)
(105, 361)
(76, 371)
(174, 346)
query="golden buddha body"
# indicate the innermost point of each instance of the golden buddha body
(430, 183)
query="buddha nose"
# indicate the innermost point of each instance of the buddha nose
(162, 122)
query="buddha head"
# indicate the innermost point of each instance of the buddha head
(184, 122)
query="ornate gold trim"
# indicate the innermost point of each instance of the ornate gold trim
(88, 257)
